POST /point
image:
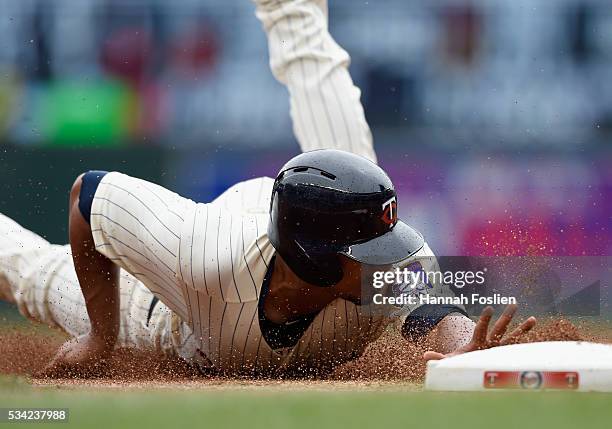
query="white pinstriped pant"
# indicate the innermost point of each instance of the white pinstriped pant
(325, 104)
(44, 285)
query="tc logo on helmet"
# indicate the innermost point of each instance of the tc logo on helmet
(389, 215)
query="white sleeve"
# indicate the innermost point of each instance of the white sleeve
(325, 104)
(137, 224)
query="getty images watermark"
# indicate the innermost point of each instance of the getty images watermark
(413, 285)
(542, 285)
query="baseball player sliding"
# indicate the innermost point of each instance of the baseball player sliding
(265, 279)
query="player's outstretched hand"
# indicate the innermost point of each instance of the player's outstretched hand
(482, 339)
(79, 357)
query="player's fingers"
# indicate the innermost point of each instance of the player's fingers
(479, 337)
(522, 329)
(501, 325)
(433, 356)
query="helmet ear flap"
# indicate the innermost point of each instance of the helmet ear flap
(332, 269)
(316, 268)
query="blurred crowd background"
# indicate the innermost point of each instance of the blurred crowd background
(188, 72)
(493, 117)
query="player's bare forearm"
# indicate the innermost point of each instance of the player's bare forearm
(451, 333)
(98, 276)
(99, 281)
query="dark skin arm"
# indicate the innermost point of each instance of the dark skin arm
(99, 280)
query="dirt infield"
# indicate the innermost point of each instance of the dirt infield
(390, 361)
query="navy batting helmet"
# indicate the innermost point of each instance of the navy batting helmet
(327, 203)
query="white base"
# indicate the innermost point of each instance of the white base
(571, 365)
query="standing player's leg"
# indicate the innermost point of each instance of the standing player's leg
(325, 104)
